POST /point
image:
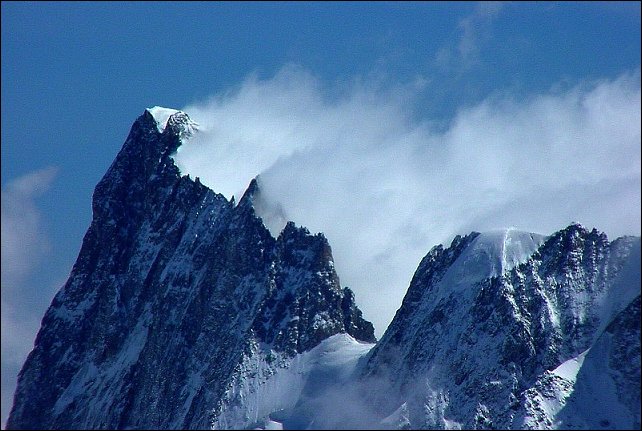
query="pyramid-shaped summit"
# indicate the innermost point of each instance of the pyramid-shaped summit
(174, 293)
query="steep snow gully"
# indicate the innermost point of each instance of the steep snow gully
(184, 311)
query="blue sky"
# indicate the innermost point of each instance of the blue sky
(76, 75)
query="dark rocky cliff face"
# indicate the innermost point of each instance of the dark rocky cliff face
(172, 285)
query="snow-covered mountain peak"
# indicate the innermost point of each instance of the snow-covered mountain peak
(161, 115)
(494, 330)
(181, 125)
(494, 252)
(177, 120)
(491, 254)
(172, 287)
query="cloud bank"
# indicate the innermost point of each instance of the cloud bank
(360, 164)
(24, 244)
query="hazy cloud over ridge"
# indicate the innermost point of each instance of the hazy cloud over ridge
(385, 186)
(24, 244)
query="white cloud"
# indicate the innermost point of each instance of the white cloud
(24, 243)
(475, 29)
(21, 236)
(385, 187)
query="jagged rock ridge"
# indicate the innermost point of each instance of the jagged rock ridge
(495, 351)
(173, 289)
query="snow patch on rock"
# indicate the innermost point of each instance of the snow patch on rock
(161, 115)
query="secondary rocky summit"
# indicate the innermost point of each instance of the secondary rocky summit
(511, 330)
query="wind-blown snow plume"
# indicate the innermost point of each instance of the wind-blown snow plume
(384, 185)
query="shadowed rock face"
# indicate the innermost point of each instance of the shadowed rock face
(172, 286)
(481, 352)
